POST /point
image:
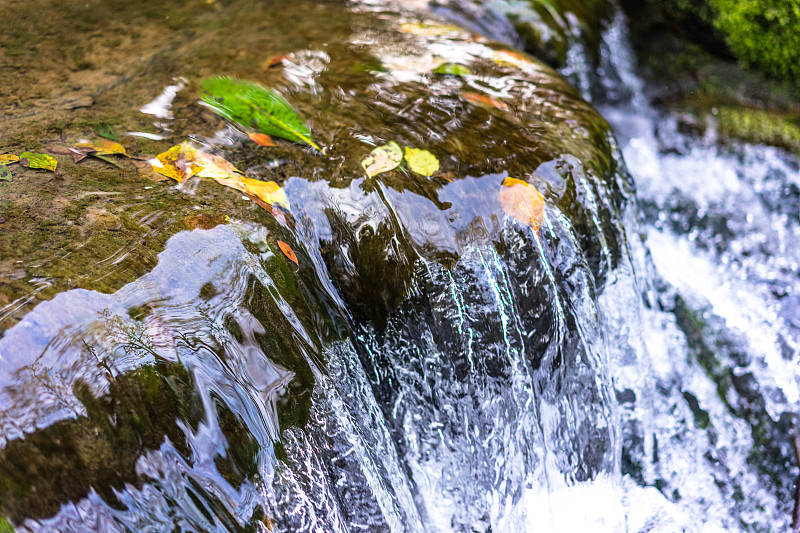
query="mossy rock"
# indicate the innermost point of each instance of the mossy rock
(764, 35)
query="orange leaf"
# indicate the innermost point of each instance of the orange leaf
(288, 252)
(485, 101)
(511, 58)
(520, 200)
(274, 61)
(261, 139)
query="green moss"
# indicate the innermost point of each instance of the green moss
(763, 33)
(757, 126)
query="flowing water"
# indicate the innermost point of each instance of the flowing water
(430, 364)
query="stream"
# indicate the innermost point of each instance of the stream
(429, 363)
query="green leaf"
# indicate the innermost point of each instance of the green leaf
(104, 130)
(421, 161)
(382, 159)
(5, 174)
(453, 69)
(106, 159)
(33, 160)
(251, 105)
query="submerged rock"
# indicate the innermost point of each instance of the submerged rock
(103, 219)
(425, 350)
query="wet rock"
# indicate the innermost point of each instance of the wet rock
(103, 219)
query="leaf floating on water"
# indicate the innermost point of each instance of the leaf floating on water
(7, 159)
(223, 172)
(261, 139)
(485, 101)
(417, 28)
(179, 162)
(34, 160)
(184, 161)
(288, 252)
(104, 130)
(382, 159)
(520, 200)
(251, 105)
(214, 166)
(421, 161)
(5, 173)
(452, 69)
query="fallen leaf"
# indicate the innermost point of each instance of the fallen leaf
(7, 159)
(521, 201)
(268, 191)
(106, 159)
(452, 69)
(5, 173)
(34, 160)
(223, 172)
(214, 166)
(104, 130)
(288, 252)
(421, 161)
(382, 159)
(274, 61)
(178, 163)
(447, 176)
(485, 101)
(261, 139)
(251, 105)
(417, 28)
(100, 148)
(506, 58)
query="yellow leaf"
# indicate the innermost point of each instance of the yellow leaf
(33, 160)
(179, 162)
(101, 147)
(268, 191)
(520, 200)
(6, 159)
(382, 159)
(214, 166)
(421, 161)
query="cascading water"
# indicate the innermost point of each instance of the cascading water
(432, 364)
(709, 397)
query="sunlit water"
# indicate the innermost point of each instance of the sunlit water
(630, 367)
